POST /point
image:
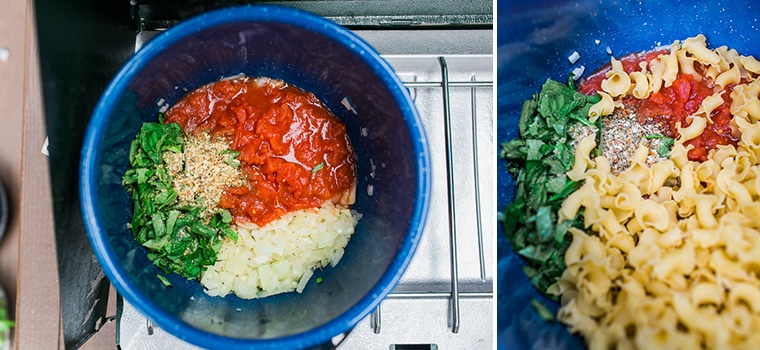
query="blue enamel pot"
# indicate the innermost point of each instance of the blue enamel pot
(316, 55)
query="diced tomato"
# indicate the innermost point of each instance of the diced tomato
(674, 103)
(283, 134)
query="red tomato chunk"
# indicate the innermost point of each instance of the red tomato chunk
(294, 151)
(674, 103)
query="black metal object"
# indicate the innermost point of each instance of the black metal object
(82, 44)
(418, 14)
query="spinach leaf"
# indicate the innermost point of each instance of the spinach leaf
(665, 147)
(232, 160)
(538, 160)
(177, 238)
(5, 324)
(542, 310)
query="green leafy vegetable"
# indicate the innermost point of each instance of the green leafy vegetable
(164, 280)
(542, 310)
(599, 137)
(5, 324)
(538, 160)
(177, 237)
(665, 147)
(317, 167)
(232, 160)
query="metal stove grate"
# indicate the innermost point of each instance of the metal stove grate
(445, 298)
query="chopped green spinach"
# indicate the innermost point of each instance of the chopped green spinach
(665, 147)
(164, 280)
(232, 160)
(177, 238)
(542, 310)
(5, 324)
(538, 160)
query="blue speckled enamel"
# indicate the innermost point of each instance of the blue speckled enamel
(318, 56)
(534, 41)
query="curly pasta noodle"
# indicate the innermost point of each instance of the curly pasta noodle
(670, 255)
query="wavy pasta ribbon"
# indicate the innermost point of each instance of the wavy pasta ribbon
(670, 255)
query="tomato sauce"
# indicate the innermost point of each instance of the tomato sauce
(673, 104)
(294, 151)
(593, 82)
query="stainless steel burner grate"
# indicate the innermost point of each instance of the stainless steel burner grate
(445, 299)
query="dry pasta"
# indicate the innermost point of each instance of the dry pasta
(670, 255)
(618, 82)
(605, 106)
